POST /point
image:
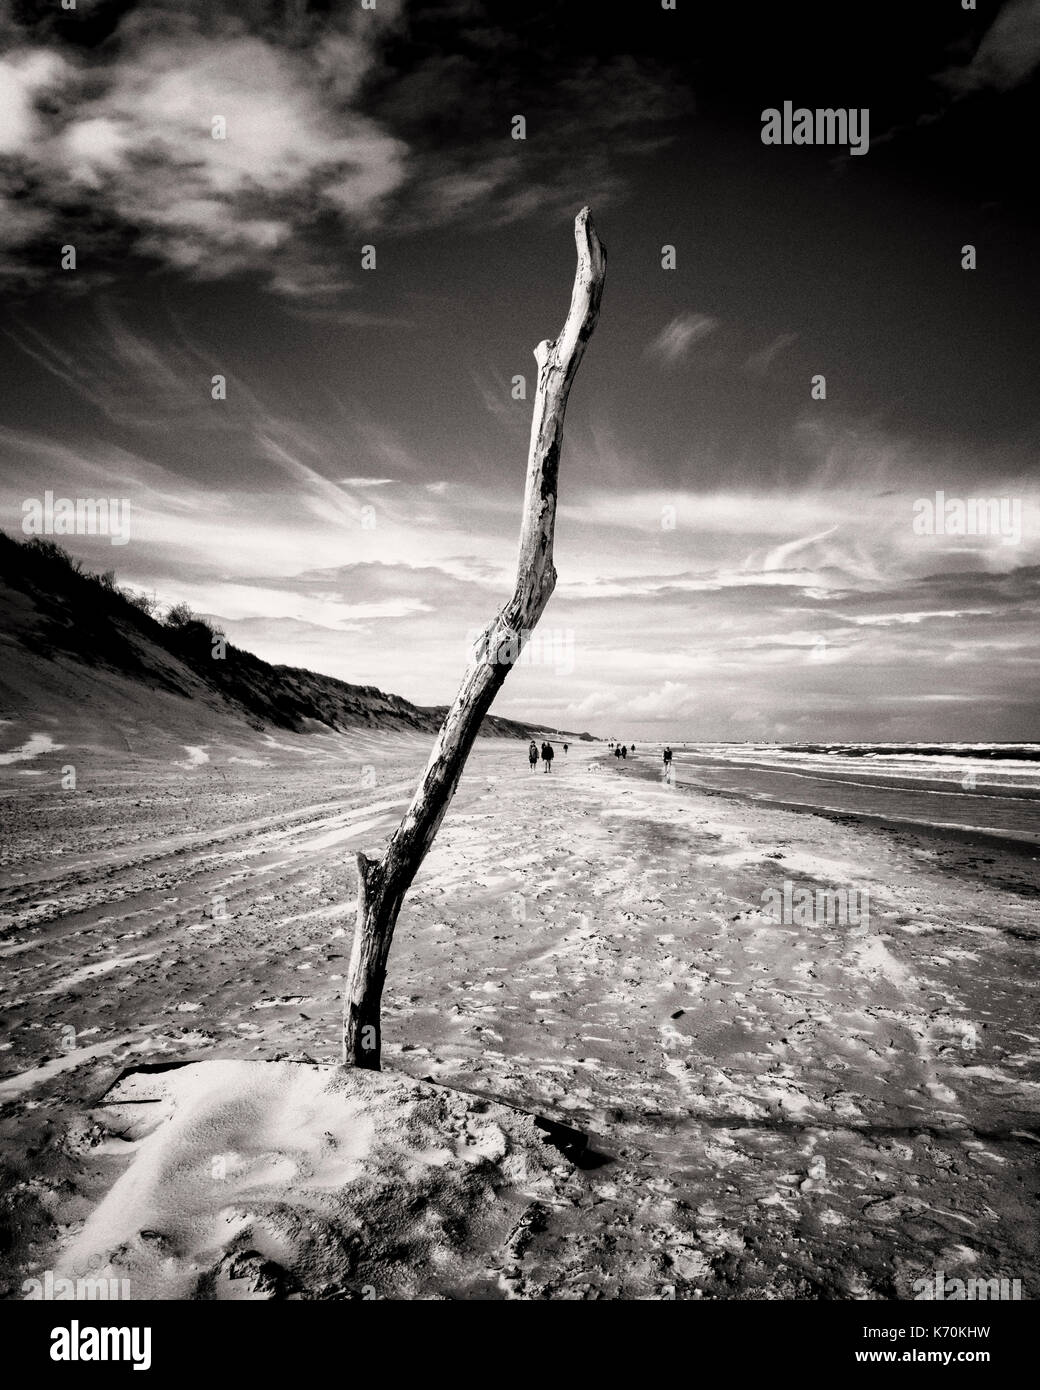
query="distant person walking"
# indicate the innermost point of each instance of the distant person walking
(617, 750)
(624, 751)
(565, 747)
(547, 756)
(532, 754)
(667, 758)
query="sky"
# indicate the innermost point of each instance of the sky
(739, 556)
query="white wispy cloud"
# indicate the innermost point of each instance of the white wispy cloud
(759, 363)
(679, 335)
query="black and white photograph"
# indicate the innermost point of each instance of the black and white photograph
(519, 656)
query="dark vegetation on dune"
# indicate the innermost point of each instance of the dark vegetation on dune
(52, 609)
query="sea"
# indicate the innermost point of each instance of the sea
(986, 788)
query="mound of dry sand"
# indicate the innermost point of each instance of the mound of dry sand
(280, 1179)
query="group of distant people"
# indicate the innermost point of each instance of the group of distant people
(547, 753)
(622, 750)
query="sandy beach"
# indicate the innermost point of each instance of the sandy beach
(775, 1109)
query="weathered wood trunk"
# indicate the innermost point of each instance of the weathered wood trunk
(382, 884)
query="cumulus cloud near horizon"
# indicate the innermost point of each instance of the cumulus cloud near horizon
(805, 606)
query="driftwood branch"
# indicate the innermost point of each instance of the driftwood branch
(383, 883)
